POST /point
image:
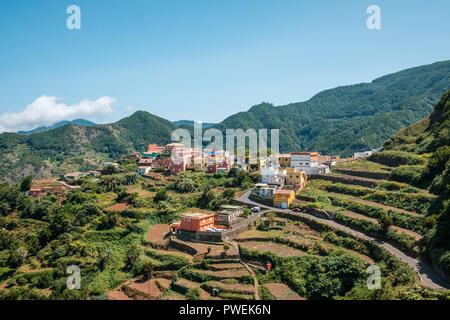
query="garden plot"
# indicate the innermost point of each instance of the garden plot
(225, 274)
(204, 295)
(223, 266)
(140, 289)
(247, 289)
(278, 249)
(156, 233)
(282, 292)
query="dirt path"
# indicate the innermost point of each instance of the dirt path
(426, 274)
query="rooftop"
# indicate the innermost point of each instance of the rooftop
(283, 192)
(315, 153)
(197, 215)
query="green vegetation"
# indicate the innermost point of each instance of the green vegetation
(430, 139)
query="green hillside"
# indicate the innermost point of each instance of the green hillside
(351, 118)
(422, 155)
(72, 147)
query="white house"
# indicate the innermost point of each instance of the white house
(143, 170)
(264, 190)
(308, 162)
(358, 155)
(272, 175)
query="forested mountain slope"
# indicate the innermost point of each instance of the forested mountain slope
(73, 147)
(351, 118)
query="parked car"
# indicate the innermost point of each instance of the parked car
(256, 209)
(296, 210)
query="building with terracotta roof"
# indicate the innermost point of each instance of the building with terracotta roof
(194, 222)
(146, 162)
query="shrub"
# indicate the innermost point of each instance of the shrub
(193, 294)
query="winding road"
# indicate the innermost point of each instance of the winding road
(428, 277)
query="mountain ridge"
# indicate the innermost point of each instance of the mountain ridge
(80, 122)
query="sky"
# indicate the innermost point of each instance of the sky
(201, 60)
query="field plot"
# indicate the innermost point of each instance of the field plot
(204, 295)
(278, 249)
(156, 232)
(140, 289)
(141, 192)
(225, 273)
(282, 292)
(118, 207)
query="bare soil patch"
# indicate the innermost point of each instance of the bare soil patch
(282, 292)
(236, 287)
(118, 207)
(118, 294)
(156, 232)
(278, 249)
(148, 287)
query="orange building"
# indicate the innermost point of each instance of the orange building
(283, 198)
(153, 148)
(194, 222)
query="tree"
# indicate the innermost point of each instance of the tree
(147, 270)
(184, 184)
(385, 222)
(110, 182)
(131, 178)
(229, 193)
(25, 185)
(161, 195)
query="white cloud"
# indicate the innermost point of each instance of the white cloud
(47, 110)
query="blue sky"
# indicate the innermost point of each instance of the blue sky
(202, 60)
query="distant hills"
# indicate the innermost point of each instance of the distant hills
(336, 121)
(80, 122)
(191, 123)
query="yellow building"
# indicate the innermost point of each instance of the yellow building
(296, 178)
(284, 160)
(283, 198)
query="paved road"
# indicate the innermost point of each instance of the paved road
(426, 274)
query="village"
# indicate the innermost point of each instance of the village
(282, 177)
